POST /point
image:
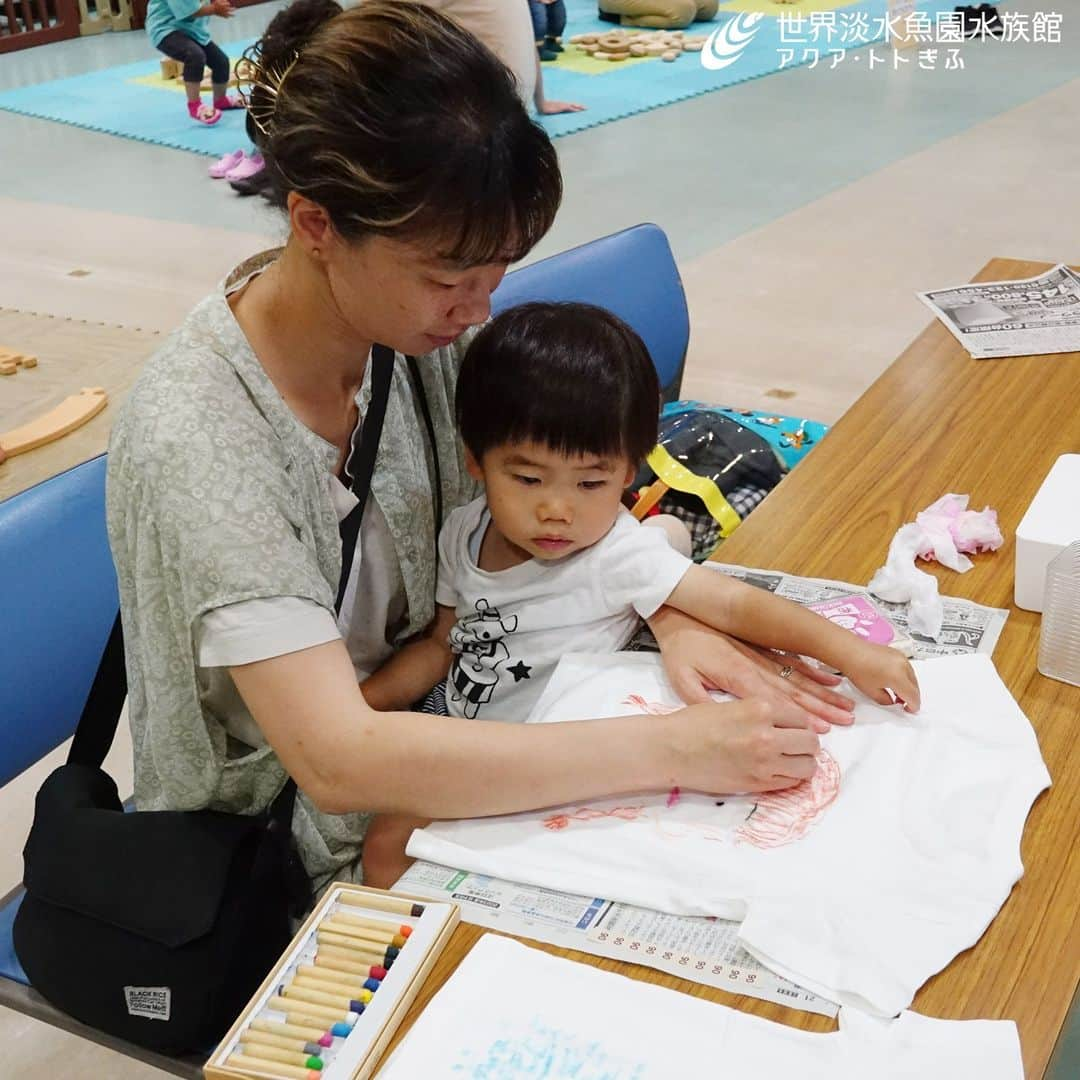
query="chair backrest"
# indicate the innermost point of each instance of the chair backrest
(631, 273)
(58, 600)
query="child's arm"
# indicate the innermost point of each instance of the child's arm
(383, 858)
(764, 619)
(415, 669)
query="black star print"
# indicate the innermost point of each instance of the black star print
(519, 671)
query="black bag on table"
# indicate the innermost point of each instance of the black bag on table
(157, 927)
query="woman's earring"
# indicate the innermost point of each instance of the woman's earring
(315, 253)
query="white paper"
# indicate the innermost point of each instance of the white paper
(513, 1013)
(858, 885)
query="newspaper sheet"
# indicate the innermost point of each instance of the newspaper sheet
(1027, 317)
(967, 627)
(702, 950)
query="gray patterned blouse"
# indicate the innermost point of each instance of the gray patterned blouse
(218, 494)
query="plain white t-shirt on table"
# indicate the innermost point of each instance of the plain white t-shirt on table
(511, 1010)
(858, 884)
(513, 626)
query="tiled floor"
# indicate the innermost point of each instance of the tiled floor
(805, 210)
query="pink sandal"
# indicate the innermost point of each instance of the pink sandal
(204, 114)
(226, 103)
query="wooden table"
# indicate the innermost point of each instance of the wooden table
(938, 421)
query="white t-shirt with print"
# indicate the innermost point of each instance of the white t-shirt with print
(514, 625)
(858, 884)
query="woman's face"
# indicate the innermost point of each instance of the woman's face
(400, 295)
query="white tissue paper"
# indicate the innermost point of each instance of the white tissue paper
(943, 531)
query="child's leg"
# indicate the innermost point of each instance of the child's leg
(220, 70)
(178, 46)
(539, 13)
(556, 24)
(383, 858)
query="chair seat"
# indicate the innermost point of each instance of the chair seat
(10, 968)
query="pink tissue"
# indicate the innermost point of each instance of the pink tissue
(950, 528)
(942, 531)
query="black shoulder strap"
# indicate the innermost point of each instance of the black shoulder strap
(101, 713)
(361, 461)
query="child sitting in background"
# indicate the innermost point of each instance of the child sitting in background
(557, 405)
(178, 28)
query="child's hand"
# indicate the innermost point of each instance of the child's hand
(884, 675)
(222, 8)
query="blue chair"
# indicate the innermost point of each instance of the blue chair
(59, 601)
(631, 273)
(59, 586)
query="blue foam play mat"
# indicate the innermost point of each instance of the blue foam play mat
(752, 38)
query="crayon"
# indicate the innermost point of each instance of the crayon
(346, 1002)
(374, 924)
(331, 986)
(258, 1065)
(362, 933)
(311, 1011)
(353, 982)
(282, 1042)
(286, 1057)
(317, 1034)
(370, 951)
(352, 966)
(343, 962)
(381, 902)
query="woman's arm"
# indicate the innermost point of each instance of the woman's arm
(345, 756)
(412, 671)
(773, 622)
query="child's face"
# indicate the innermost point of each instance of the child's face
(547, 504)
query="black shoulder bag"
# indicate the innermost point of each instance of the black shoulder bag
(157, 927)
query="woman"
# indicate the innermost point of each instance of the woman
(410, 175)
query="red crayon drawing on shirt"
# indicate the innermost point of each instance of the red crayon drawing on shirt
(766, 820)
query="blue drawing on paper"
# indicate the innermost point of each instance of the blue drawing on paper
(540, 1052)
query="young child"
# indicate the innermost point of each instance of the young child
(557, 404)
(178, 28)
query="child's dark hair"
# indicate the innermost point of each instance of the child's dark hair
(399, 123)
(572, 377)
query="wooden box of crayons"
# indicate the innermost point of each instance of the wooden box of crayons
(335, 998)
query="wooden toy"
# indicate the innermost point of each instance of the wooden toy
(11, 361)
(71, 413)
(333, 1001)
(668, 45)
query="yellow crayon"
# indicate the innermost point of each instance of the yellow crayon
(299, 992)
(362, 933)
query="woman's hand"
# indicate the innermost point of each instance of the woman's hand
(883, 675)
(698, 659)
(553, 108)
(737, 746)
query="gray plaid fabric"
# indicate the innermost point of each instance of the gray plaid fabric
(704, 530)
